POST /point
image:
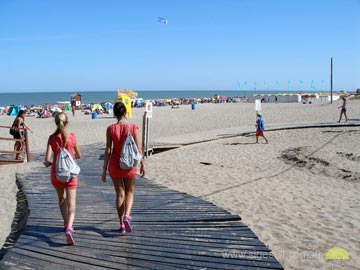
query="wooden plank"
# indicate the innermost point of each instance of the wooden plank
(10, 161)
(10, 139)
(50, 260)
(175, 256)
(81, 258)
(107, 234)
(10, 152)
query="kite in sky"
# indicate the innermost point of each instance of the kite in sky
(162, 20)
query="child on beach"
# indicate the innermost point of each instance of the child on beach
(123, 180)
(260, 128)
(343, 109)
(66, 192)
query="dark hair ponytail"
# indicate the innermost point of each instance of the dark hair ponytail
(119, 110)
(21, 112)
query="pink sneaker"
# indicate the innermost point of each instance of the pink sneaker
(127, 222)
(66, 226)
(122, 229)
(70, 236)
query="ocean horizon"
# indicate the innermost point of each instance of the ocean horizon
(39, 98)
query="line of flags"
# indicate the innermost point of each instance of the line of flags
(244, 86)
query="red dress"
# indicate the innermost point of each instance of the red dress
(118, 133)
(55, 141)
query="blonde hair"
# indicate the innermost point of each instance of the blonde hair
(61, 121)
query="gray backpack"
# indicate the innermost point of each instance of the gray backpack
(130, 155)
(65, 167)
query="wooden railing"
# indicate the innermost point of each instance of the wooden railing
(12, 153)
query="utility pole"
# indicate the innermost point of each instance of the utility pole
(331, 81)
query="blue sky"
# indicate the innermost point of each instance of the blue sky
(88, 45)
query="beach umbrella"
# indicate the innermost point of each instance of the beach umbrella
(108, 105)
(56, 109)
(132, 94)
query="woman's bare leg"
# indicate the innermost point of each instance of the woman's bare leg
(71, 205)
(129, 195)
(62, 203)
(120, 197)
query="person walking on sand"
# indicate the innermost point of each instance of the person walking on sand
(123, 180)
(73, 107)
(343, 109)
(260, 128)
(19, 126)
(66, 192)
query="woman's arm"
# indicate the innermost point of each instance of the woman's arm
(107, 154)
(142, 163)
(25, 126)
(47, 161)
(77, 151)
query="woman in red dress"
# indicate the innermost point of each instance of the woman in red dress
(66, 191)
(123, 180)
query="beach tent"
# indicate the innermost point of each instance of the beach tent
(55, 109)
(14, 110)
(97, 107)
(46, 114)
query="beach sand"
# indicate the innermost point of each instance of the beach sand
(298, 193)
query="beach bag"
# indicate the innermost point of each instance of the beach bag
(12, 130)
(66, 168)
(130, 155)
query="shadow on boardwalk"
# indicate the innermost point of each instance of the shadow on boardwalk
(172, 230)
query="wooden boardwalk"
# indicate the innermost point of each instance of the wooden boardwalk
(172, 230)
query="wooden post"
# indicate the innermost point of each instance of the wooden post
(147, 137)
(27, 151)
(143, 134)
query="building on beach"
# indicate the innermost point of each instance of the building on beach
(299, 97)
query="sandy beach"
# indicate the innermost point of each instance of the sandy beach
(299, 193)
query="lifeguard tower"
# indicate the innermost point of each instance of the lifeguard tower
(124, 96)
(75, 99)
